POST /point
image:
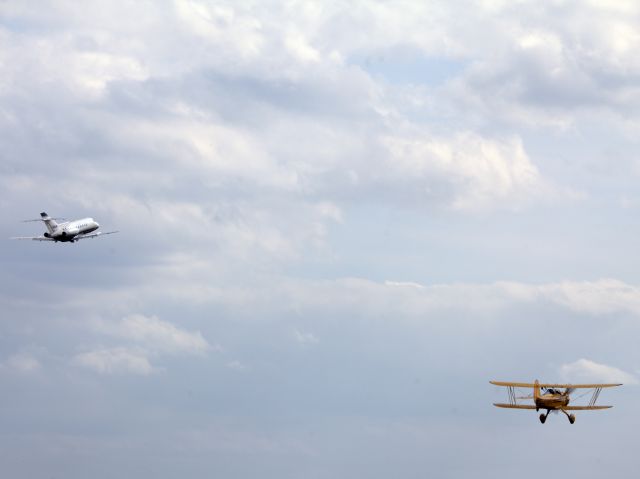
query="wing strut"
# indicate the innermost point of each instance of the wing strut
(594, 398)
(512, 395)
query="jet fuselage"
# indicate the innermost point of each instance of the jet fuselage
(68, 231)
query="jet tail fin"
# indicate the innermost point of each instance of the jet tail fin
(50, 222)
(52, 226)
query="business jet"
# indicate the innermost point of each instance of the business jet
(67, 232)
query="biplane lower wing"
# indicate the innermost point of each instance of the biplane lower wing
(566, 408)
(515, 406)
(584, 408)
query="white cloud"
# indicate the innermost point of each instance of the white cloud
(305, 337)
(21, 363)
(186, 278)
(403, 284)
(553, 66)
(300, 48)
(115, 361)
(236, 365)
(155, 335)
(585, 370)
(415, 300)
(239, 32)
(475, 172)
(605, 296)
(201, 136)
(147, 338)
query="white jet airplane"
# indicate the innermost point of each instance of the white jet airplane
(69, 231)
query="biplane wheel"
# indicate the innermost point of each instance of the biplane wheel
(543, 418)
(572, 418)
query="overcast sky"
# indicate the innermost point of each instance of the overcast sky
(338, 221)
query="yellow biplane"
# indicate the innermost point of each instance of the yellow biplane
(551, 397)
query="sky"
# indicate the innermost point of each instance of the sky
(338, 220)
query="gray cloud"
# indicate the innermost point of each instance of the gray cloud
(319, 237)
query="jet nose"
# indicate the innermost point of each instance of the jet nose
(96, 224)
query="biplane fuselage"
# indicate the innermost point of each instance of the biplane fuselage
(552, 401)
(552, 398)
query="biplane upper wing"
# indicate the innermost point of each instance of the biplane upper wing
(512, 385)
(515, 406)
(579, 386)
(549, 385)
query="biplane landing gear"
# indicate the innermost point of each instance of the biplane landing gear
(570, 417)
(543, 417)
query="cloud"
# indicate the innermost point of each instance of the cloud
(551, 67)
(468, 171)
(117, 360)
(203, 287)
(268, 165)
(602, 297)
(404, 284)
(605, 296)
(23, 363)
(147, 338)
(236, 365)
(217, 128)
(155, 335)
(305, 338)
(585, 370)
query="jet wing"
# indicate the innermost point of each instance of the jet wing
(94, 235)
(34, 238)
